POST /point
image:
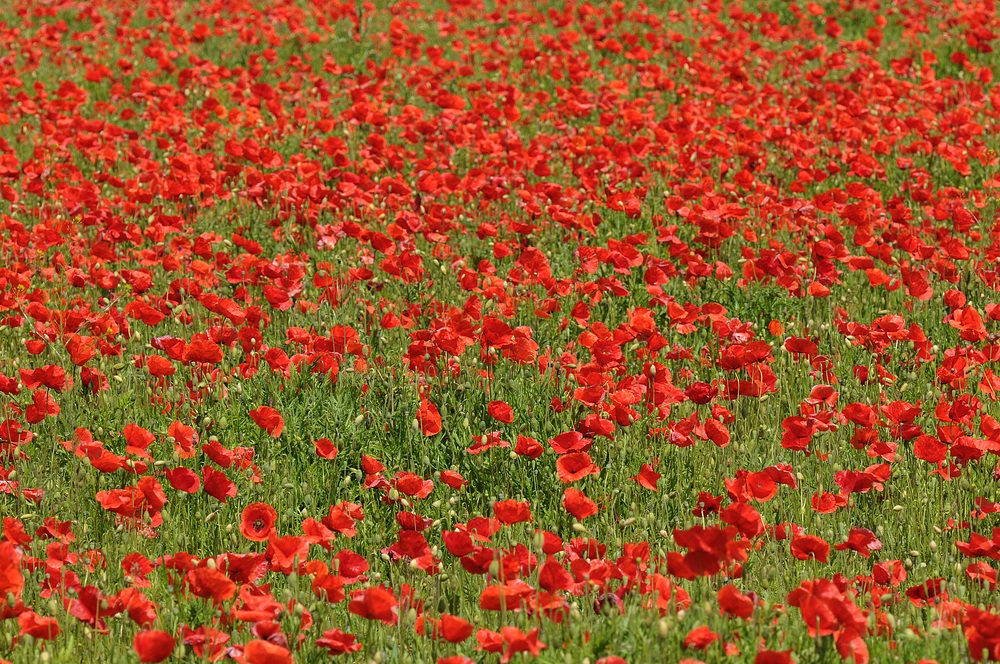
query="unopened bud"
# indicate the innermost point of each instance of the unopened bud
(663, 628)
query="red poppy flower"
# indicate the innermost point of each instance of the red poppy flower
(700, 638)
(91, 606)
(286, 554)
(11, 579)
(453, 479)
(647, 477)
(377, 603)
(982, 631)
(509, 512)
(552, 576)
(37, 626)
(805, 547)
(160, 366)
(268, 419)
(862, 541)
(244, 568)
(217, 484)
(336, 642)
(486, 442)
(517, 641)
(329, 588)
(449, 628)
(411, 484)
(570, 441)
(184, 437)
(264, 652)
(13, 531)
(429, 418)
(575, 466)
(136, 567)
(578, 504)
(206, 642)
(42, 405)
(982, 573)
(826, 609)
(734, 603)
(325, 448)
(202, 350)
(528, 447)
(925, 593)
(500, 411)
(371, 465)
(209, 583)
(701, 393)
(828, 503)
(257, 521)
(51, 376)
(744, 518)
(183, 479)
(889, 573)
(153, 645)
(707, 504)
(489, 641)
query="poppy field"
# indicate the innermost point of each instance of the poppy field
(499, 331)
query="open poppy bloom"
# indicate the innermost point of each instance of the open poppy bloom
(337, 642)
(153, 645)
(257, 522)
(269, 420)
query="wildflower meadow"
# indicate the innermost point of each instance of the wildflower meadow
(489, 331)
